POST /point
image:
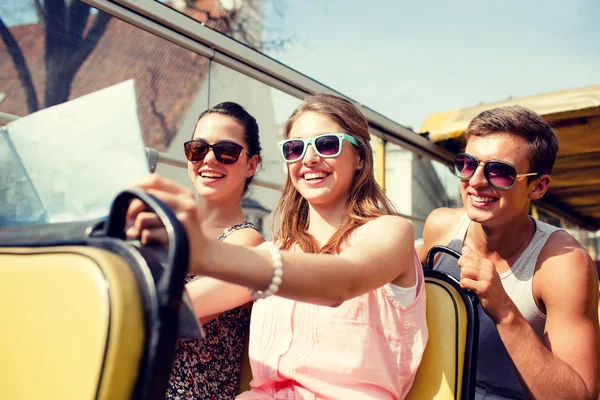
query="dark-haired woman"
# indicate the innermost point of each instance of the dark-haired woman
(222, 158)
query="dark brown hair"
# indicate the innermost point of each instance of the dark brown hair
(520, 121)
(243, 117)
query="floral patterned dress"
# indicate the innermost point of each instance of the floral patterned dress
(209, 369)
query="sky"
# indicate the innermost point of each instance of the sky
(407, 59)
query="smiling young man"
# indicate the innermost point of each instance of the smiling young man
(538, 287)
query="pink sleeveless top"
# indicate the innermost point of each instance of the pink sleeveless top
(368, 347)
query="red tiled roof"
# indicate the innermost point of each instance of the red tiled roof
(201, 10)
(167, 77)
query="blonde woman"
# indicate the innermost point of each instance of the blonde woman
(340, 299)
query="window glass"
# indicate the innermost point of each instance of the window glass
(48, 57)
(259, 24)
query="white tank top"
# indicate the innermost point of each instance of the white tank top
(404, 296)
(495, 371)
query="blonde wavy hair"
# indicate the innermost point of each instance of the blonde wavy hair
(366, 200)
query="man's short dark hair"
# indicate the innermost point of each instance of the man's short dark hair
(520, 121)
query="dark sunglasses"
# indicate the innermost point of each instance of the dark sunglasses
(327, 145)
(499, 174)
(225, 152)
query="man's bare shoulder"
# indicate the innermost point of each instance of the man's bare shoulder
(440, 225)
(565, 265)
(560, 247)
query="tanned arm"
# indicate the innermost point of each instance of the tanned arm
(565, 365)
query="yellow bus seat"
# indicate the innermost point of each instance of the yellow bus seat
(448, 368)
(85, 315)
(72, 324)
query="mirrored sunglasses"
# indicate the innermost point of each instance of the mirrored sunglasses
(499, 174)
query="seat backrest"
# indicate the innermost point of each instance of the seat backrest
(86, 315)
(448, 368)
(72, 324)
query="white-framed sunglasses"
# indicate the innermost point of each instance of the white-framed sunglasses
(327, 145)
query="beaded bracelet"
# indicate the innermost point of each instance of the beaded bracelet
(277, 274)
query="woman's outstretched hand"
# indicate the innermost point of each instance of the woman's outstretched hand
(146, 226)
